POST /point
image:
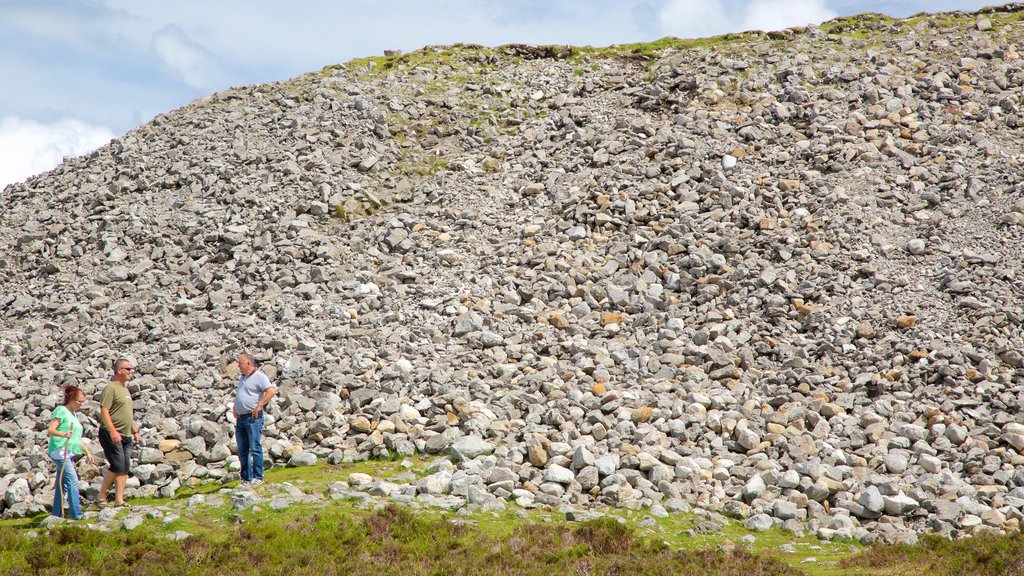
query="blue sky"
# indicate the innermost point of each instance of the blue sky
(80, 72)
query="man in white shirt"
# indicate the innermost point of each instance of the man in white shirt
(253, 394)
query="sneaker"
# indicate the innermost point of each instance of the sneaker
(256, 481)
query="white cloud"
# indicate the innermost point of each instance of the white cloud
(188, 59)
(779, 14)
(28, 147)
(693, 18)
(698, 18)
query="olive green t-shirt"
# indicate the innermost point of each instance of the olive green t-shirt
(118, 401)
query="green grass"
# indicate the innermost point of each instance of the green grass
(652, 50)
(309, 478)
(352, 536)
(935, 556)
(860, 26)
(335, 540)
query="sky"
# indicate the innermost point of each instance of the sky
(78, 73)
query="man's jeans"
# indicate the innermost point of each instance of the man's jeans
(68, 484)
(248, 435)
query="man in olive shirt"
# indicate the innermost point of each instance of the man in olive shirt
(117, 428)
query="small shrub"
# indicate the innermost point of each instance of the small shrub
(606, 536)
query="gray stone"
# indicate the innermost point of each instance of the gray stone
(784, 510)
(469, 447)
(606, 465)
(556, 473)
(896, 462)
(754, 488)
(899, 504)
(17, 492)
(872, 501)
(133, 521)
(758, 522)
(957, 434)
(300, 459)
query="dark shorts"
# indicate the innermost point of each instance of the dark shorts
(119, 456)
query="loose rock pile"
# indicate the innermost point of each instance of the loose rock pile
(778, 276)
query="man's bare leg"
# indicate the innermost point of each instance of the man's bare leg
(108, 480)
(119, 482)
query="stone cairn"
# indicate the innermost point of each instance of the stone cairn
(776, 276)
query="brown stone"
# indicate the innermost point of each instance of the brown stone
(788, 185)
(642, 414)
(599, 389)
(169, 445)
(904, 322)
(804, 310)
(612, 318)
(829, 410)
(537, 456)
(361, 424)
(178, 456)
(865, 330)
(558, 321)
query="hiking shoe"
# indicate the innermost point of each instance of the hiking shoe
(256, 481)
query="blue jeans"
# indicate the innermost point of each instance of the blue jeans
(68, 484)
(248, 435)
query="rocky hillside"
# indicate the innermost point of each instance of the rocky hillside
(778, 275)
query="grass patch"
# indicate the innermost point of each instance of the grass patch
(351, 536)
(653, 50)
(985, 555)
(388, 541)
(861, 26)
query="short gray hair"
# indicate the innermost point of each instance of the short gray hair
(119, 363)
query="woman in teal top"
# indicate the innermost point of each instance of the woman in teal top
(65, 443)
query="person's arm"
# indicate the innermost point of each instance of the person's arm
(88, 454)
(109, 424)
(52, 430)
(267, 395)
(135, 432)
